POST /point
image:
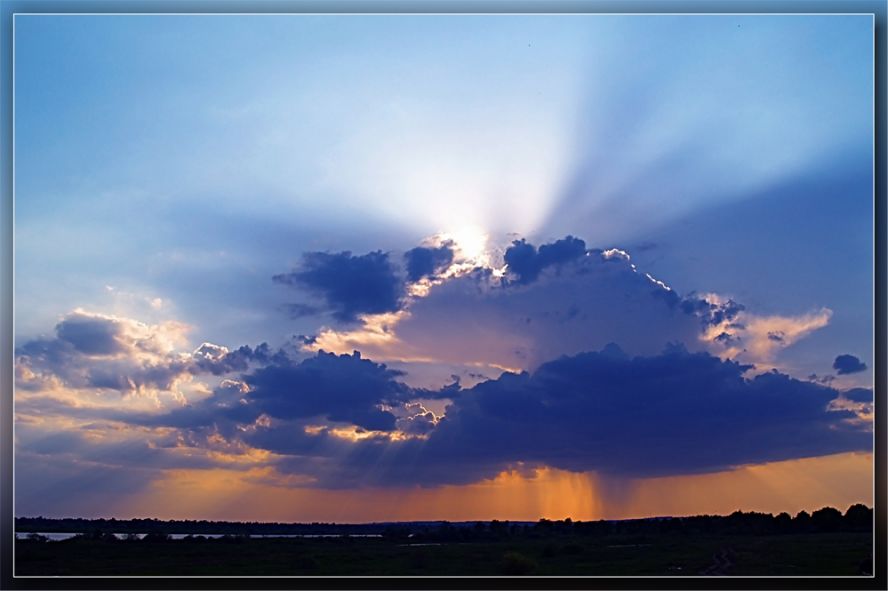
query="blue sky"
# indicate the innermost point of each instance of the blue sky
(168, 167)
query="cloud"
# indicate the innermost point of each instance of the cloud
(350, 285)
(91, 334)
(605, 412)
(845, 364)
(526, 262)
(218, 360)
(672, 413)
(859, 394)
(749, 337)
(345, 421)
(607, 369)
(98, 351)
(426, 261)
(713, 311)
(343, 388)
(327, 388)
(479, 319)
(562, 299)
(93, 350)
(608, 412)
(517, 316)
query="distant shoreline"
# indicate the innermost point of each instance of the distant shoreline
(857, 517)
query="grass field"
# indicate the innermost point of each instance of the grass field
(837, 553)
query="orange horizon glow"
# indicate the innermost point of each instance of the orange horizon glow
(260, 495)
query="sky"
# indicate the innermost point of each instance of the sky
(367, 268)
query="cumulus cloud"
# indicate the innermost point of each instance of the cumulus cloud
(101, 334)
(99, 351)
(327, 388)
(479, 319)
(426, 261)
(218, 360)
(845, 364)
(349, 285)
(90, 334)
(343, 388)
(92, 350)
(561, 299)
(525, 262)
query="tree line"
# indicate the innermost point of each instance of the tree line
(858, 517)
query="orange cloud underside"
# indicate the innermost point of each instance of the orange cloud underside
(838, 480)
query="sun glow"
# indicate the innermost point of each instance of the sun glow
(470, 243)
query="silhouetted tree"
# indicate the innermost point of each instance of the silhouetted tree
(802, 521)
(826, 519)
(859, 517)
(783, 523)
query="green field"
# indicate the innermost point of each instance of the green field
(835, 553)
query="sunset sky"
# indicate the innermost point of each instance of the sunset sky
(367, 268)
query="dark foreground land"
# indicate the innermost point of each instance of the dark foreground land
(740, 544)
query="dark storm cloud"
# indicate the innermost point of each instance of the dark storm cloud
(290, 438)
(327, 387)
(342, 388)
(424, 261)
(673, 413)
(526, 262)
(350, 285)
(845, 364)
